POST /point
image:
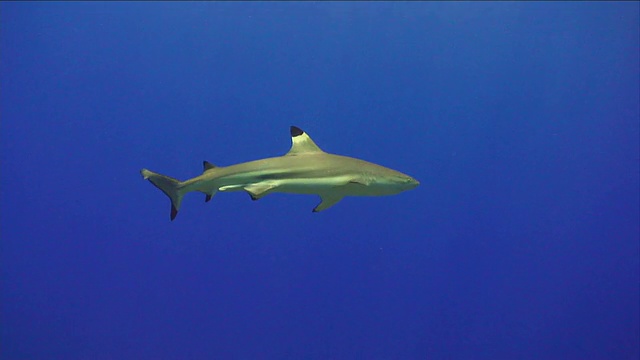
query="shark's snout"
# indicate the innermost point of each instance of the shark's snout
(412, 183)
(406, 182)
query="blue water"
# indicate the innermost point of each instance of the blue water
(521, 121)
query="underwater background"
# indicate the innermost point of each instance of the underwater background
(520, 120)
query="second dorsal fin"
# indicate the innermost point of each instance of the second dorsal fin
(207, 165)
(301, 142)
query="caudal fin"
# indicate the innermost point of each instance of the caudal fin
(169, 186)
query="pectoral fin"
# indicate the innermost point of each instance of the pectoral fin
(328, 200)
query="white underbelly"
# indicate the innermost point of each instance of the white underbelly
(295, 186)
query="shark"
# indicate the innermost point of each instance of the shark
(304, 169)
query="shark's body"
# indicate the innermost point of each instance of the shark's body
(305, 169)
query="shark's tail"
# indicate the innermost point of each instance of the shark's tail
(169, 186)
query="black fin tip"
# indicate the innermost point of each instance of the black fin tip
(207, 165)
(174, 212)
(296, 131)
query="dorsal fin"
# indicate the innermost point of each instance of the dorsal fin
(301, 142)
(207, 165)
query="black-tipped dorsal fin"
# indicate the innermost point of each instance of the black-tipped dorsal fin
(207, 165)
(301, 142)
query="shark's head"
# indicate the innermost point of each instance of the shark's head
(393, 182)
(403, 182)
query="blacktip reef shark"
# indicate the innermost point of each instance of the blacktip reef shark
(305, 169)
